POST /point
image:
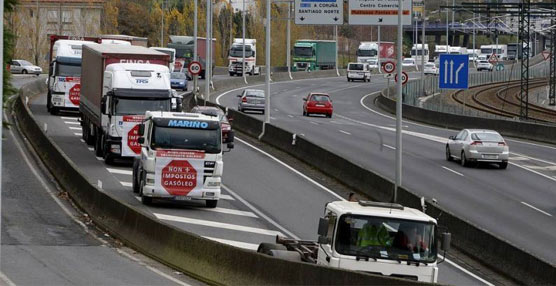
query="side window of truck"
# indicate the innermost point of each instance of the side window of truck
(331, 225)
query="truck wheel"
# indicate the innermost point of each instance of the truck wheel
(135, 172)
(98, 145)
(232, 74)
(53, 110)
(48, 101)
(266, 247)
(286, 255)
(144, 199)
(211, 203)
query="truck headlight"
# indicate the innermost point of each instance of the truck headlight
(150, 181)
(115, 148)
(209, 194)
(213, 184)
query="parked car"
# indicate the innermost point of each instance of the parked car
(24, 67)
(358, 71)
(430, 68)
(224, 121)
(408, 62)
(484, 65)
(477, 145)
(318, 103)
(251, 99)
(178, 80)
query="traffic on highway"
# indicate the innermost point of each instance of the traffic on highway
(230, 159)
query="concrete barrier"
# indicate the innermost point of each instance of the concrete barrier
(494, 252)
(525, 130)
(201, 258)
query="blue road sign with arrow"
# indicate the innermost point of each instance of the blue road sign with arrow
(454, 71)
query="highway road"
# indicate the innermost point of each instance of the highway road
(518, 204)
(262, 195)
(45, 241)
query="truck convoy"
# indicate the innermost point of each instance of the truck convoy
(119, 85)
(64, 72)
(181, 158)
(184, 51)
(380, 238)
(369, 51)
(235, 57)
(122, 39)
(170, 52)
(314, 55)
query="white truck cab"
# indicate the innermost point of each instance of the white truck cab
(235, 57)
(181, 158)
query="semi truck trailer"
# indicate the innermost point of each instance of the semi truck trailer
(314, 55)
(119, 84)
(184, 52)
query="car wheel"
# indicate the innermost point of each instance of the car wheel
(329, 115)
(448, 155)
(304, 113)
(53, 110)
(503, 165)
(464, 162)
(24, 71)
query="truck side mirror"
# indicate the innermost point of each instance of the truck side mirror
(141, 140)
(141, 130)
(446, 241)
(323, 240)
(103, 105)
(323, 227)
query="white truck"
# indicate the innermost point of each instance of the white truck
(380, 238)
(417, 52)
(170, 52)
(181, 158)
(500, 51)
(235, 57)
(64, 76)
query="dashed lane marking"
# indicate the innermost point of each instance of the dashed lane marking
(537, 209)
(126, 184)
(448, 169)
(91, 148)
(78, 134)
(244, 245)
(72, 122)
(389, 147)
(69, 118)
(345, 132)
(230, 211)
(119, 171)
(75, 128)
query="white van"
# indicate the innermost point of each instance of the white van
(359, 71)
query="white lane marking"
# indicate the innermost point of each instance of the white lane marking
(531, 170)
(77, 134)
(293, 170)
(75, 128)
(273, 118)
(535, 208)
(126, 184)
(530, 143)
(276, 109)
(69, 118)
(244, 245)
(542, 168)
(7, 280)
(389, 147)
(290, 116)
(312, 122)
(345, 132)
(82, 140)
(518, 158)
(72, 122)
(120, 171)
(533, 158)
(215, 224)
(100, 158)
(448, 169)
(467, 271)
(344, 88)
(227, 197)
(230, 211)
(260, 213)
(91, 148)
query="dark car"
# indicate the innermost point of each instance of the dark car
(178, 81)
(224, 121)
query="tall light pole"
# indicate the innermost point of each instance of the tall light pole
(289, 39)
(378, 52)
(267, 63)
(453, 15)
(423, 18)
(195, 52)
(162, 25)
(447, 28)
(336, 40)
(243, 73)
(399, 105)
(208, 42)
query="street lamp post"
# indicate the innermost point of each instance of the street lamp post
(195, 52)
(243, 73)
(398, 182)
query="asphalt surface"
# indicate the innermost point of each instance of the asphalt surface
(517, 204)
(261, 196)
(45, 241)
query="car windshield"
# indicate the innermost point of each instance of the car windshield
(355, 67)
(386, 238)
(320, 98)
(190, 139)
(177, 75)
(366, 53)
(134, 106)
(255, 93)
(487, 136)
(68, 70)
(483, 62)
(303, 51)
(25, 63)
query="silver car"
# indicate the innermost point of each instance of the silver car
(24, 67)
(477, 145)
(251, 99)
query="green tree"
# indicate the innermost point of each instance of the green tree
(8, 41)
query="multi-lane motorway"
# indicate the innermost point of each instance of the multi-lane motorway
(262, 195)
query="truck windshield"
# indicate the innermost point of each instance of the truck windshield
(386, 238)
(486, 51)
(238, 52)
(189, 139)
(366, 53)
(68, 70)
(303, 51)
(135, 106)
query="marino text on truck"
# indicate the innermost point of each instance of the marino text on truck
(119, 84)
(64, 72)
(181, 158)
(314, 55)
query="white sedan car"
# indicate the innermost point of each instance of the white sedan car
(484, 65)
(24, 67)
(477, 145)
(430, 68)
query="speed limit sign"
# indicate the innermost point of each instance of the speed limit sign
(389, 67)
(405, 78)
(194, 68)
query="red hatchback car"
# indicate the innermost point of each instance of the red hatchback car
(317, 103)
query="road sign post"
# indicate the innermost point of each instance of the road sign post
(379, 12)
(405, 78)
(194, 68)
(454, 71)
(319, 12)
(389, 67)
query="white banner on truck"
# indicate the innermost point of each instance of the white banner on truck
(130, 135)
(179, 172)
